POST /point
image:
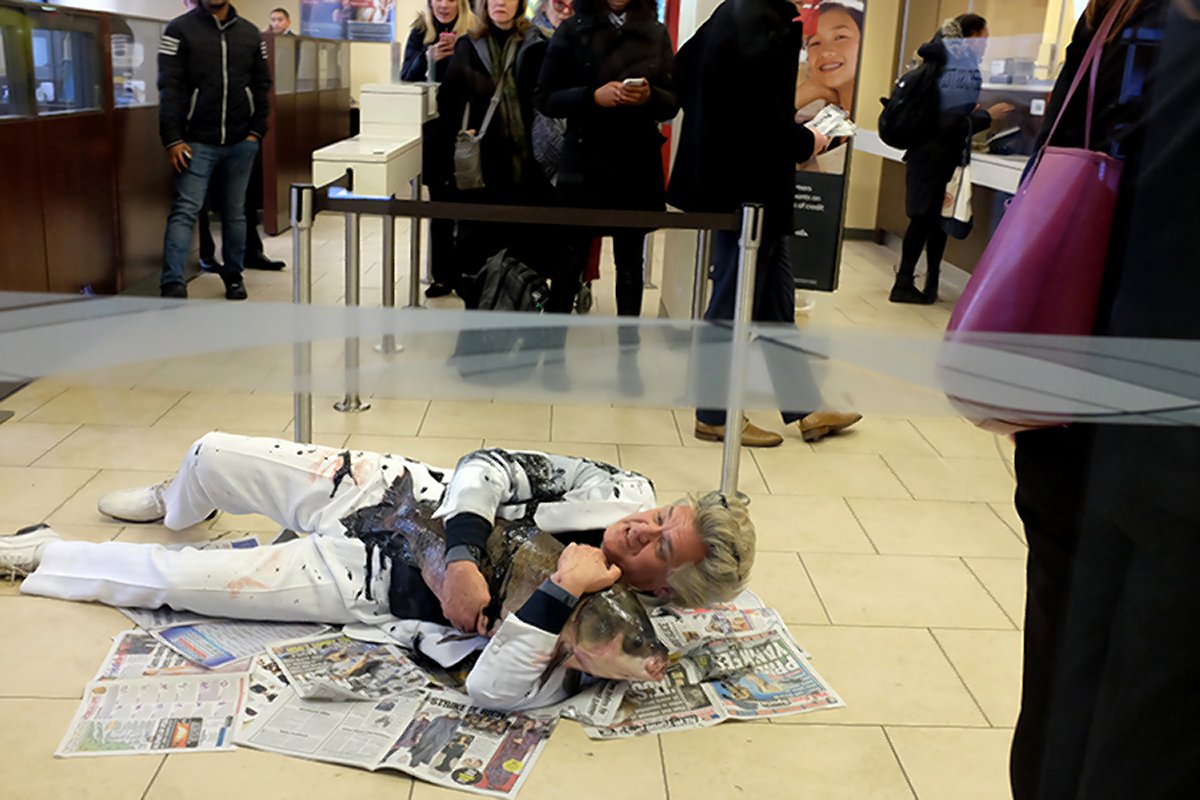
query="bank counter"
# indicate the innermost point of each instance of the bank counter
(86, 187)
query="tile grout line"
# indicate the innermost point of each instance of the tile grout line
(813, 584)
(961, 679)
(59, 507)
(758, 466)
(173, 406)
(78, 427)
(1004, 522)
(866, 533)
(928, 441)
(899, 761)
(999, 605)
(662, 763)
(895, 475)
(1009, 468)
(424, 417)
(154, 777)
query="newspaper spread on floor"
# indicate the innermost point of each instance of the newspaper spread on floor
(434, 736)
(336, 667)
(727, 663)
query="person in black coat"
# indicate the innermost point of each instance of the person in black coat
(503, 47)
(956, 50)
(1110, 512)
(740, 143)
(609, 72)
(435, 33)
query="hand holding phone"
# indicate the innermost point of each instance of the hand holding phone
(634, 82)
(635, 91)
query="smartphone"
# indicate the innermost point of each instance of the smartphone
(634, 82)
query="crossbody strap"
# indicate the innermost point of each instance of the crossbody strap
(495, 101)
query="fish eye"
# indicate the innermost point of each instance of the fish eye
(638, 642)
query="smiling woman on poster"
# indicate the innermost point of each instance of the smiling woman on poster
(829, 69)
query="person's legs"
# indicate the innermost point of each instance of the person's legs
(235, 165)
(904, 290)
(721, 303)
(303, 487)
(775, 301)
(1051, 468)
(315, 579)
(628, 254)
(208, 248)
(934, 251)
(191, 186)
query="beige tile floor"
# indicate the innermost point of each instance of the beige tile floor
(893, 553)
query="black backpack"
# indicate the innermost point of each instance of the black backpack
(506, 284)
(910, 115)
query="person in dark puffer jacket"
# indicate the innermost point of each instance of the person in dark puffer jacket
(213, 80)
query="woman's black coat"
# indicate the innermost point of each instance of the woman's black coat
(469, 81)
(612, 157)
(931, 164)
(416, 70)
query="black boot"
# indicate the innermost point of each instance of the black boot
(904, 290)
(930, 294)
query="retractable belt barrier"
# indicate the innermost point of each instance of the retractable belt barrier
(307, 201)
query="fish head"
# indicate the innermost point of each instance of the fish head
(612, 637)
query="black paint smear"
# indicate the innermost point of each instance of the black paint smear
(343, 473)
(198, 446)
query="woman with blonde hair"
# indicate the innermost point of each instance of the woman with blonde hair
(427, 56)
(501, 59)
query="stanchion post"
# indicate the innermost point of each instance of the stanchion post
(352, 402)
(302, 196)
(388, 345)
(414, 253)
(700, 279)
(739, 346)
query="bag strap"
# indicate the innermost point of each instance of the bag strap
(495, 101)
(1091, 63)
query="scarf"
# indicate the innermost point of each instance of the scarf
(509, 108)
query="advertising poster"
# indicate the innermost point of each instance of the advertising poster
(827, 84)
(353, 20)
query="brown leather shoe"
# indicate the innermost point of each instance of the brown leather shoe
(752, 435)
(820, 424)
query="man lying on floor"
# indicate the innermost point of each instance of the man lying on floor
(692, 553)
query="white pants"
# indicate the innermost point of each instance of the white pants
(307, 488)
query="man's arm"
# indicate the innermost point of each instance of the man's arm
(172, 86)
(260, 88)
(509, 673)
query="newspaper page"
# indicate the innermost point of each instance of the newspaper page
(217, 642)
(452, 743)
(152, 619)
(336, 667)
(762, 674)
(728, 664)
(596, 705)
(264, 686)
(167, 714)
(437, 737)
(137, 654)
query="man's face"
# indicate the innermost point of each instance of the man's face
(650, 545)
(213, 6)
(279, 23)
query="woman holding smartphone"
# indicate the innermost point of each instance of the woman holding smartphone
(609, 72)
(427, 56)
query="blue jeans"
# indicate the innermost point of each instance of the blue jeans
(231, 164)
(774, 301)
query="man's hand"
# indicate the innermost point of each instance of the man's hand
(252, 137)
(179, 154)
(1000, 111)
(464, 597)
(609, 95)
(820, 140)
(583, 570)
(634, 95)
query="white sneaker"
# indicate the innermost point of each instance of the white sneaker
(135, 505)
(21, 552)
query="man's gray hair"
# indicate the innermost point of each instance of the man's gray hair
(725, 528)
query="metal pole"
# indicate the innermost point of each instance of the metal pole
(700, 279)
(352, 402)
(302, 222)
(739, 346)
(414, 251)
(389, 345)
(648, 261)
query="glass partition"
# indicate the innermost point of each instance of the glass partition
(285, 64)
(329, 74)
(306, 66)
(14, 70)
(66, 63)
(134, 43)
